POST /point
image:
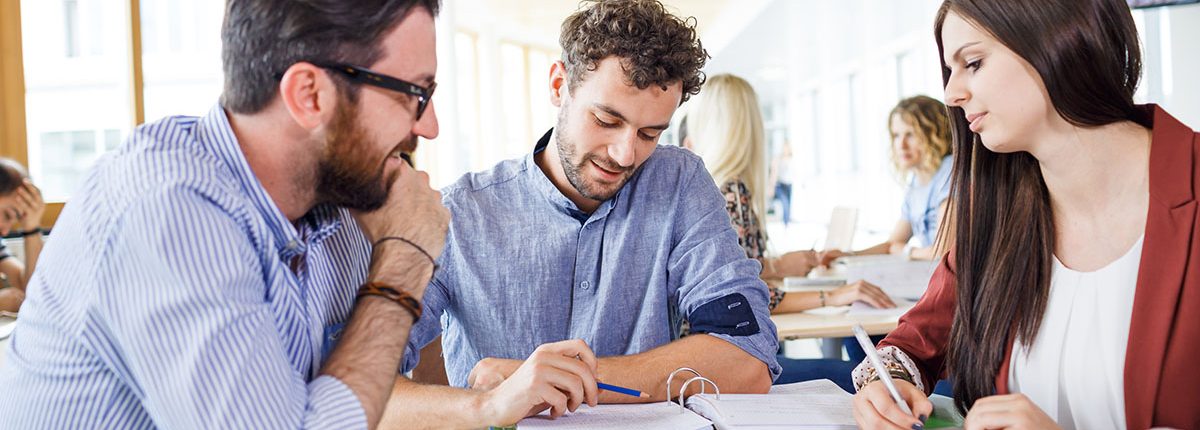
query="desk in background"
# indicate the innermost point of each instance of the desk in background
(835, 322)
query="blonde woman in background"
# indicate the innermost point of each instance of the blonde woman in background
(920, 152)
(724, 126)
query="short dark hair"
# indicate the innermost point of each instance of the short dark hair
(655, 47)
(262, 38)
(12, 175)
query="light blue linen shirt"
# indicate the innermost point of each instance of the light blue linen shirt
(164, 298)
(523, 266)
(921, 203)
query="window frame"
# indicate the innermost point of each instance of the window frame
(14, 142)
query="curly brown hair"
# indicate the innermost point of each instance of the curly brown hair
(655, 47)
(928, 118)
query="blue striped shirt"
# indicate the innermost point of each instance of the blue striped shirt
(165, 298)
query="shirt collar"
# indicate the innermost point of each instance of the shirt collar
(541, 183)
(215, 132)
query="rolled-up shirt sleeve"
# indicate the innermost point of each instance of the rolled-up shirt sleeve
(720, 292)
(189, 325)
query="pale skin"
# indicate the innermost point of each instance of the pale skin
(22, 211)
(618, 124)
(911, 150)
(282, 145)
(1097, 178)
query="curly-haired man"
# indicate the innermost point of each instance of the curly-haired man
(600, 234)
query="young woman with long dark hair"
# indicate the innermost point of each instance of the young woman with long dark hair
(1071, 294)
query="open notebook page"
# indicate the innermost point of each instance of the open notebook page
(660, 415)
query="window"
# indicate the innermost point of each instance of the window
(77, 99)
(80, 97)
(181, 45)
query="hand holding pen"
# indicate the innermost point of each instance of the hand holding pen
(885, 403)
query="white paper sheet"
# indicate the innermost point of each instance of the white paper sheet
(819, 386)
(898, 277)
(660, 415)
(777, 410)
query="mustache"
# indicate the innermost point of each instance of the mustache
(608, 164)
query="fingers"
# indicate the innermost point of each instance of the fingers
(869, 418)
(573, 348)
(569, 365)
(566, 383)
(984, 420)
(555, 398)
(484, 376)
(32, 194)
(872, 295)
(920, 404)
(877, 298)
(1006, 411)
(583, 364)
(882, 401)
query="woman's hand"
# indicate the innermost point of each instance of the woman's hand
(1012, 411)
(29, 206)
(874, 407)
(860, 290)
(795, 263)
(825, 258)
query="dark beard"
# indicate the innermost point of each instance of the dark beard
(567, 152)
(347, 176)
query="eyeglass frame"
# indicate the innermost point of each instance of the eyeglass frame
(365, 76)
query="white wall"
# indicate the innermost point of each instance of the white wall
(1177, 65)
(845, 64)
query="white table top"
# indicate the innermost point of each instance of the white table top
(835, 322)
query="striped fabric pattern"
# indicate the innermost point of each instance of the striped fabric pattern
(166, 297)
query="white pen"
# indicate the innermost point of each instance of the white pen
(865, 341)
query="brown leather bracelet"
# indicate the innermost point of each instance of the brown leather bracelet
(405, 300)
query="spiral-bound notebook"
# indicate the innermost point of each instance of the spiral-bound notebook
(817, 404)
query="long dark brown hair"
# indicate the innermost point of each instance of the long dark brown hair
(1086, 53)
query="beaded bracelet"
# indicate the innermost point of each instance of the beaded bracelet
(405, 300)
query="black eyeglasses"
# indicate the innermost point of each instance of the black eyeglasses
(364, 76)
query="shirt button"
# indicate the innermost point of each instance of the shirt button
(293, 245)
(585, 285)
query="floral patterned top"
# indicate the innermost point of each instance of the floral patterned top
(745, 223)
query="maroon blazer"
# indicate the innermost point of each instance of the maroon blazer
(1162, 359)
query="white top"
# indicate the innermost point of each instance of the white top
(1075, 369)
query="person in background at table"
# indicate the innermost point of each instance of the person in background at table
(726, 130)
(261, 266)
(1071, 295)
(21, 209)
(920, 152)
(781, 176)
